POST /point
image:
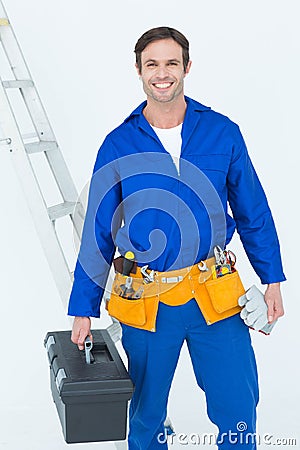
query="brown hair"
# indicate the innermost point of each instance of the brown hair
(155, 34)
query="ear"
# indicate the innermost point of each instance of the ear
(137, 69)
(188, 67)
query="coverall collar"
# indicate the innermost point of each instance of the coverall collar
(191, 119)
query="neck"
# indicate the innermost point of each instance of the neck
(165, 115)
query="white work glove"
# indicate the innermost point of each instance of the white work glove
(254, 313)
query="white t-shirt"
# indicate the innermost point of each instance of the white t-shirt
(171, 140)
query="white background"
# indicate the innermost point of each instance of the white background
(246, 65)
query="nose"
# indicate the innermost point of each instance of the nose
(162, 71)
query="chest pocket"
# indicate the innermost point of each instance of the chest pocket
(214, 167)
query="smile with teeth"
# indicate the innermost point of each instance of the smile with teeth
(162, 85)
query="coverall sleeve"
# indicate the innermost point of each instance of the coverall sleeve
(97, 243)
(253, 217)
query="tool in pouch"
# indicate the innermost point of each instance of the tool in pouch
(128, 288)
(219, 286)
(134, 297)
(125, 289)
(225, 262)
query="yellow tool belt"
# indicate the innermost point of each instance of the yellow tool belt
(217, 298)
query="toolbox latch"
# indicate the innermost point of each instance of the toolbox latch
(61, 374)
(50, 347)
(50, 341)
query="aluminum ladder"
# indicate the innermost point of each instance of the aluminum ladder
(24, 147)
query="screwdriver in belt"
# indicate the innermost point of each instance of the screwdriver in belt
(128, 262)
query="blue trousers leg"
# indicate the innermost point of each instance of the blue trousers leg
(225, 368)
(152, 360)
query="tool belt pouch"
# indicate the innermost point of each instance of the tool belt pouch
(135, 305)
(225, 291)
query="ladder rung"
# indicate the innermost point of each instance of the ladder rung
(39, 147)
(61, 210)
(17, 84)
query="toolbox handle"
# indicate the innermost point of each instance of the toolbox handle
(88, 345)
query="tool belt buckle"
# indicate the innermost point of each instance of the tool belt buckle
(172, 279)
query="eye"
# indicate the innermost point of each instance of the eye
(173, 63)
(150, 65)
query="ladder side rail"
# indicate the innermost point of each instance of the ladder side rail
(36, 203)
(20, 70)
(41, 123)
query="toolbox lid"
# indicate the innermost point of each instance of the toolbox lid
(106, 376)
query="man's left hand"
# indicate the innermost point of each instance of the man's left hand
(273, 300)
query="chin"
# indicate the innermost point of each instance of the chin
(164, 99)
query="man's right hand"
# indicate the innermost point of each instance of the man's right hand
(81, 329)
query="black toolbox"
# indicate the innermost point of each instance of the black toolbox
(91, 399)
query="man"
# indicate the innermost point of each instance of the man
(173, 166)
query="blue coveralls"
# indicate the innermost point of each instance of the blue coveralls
(139, 202)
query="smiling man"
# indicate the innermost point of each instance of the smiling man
(160, 190)
(162, 71)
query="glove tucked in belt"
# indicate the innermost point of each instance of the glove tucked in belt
(255, 309)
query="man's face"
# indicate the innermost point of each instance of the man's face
(162, 71)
